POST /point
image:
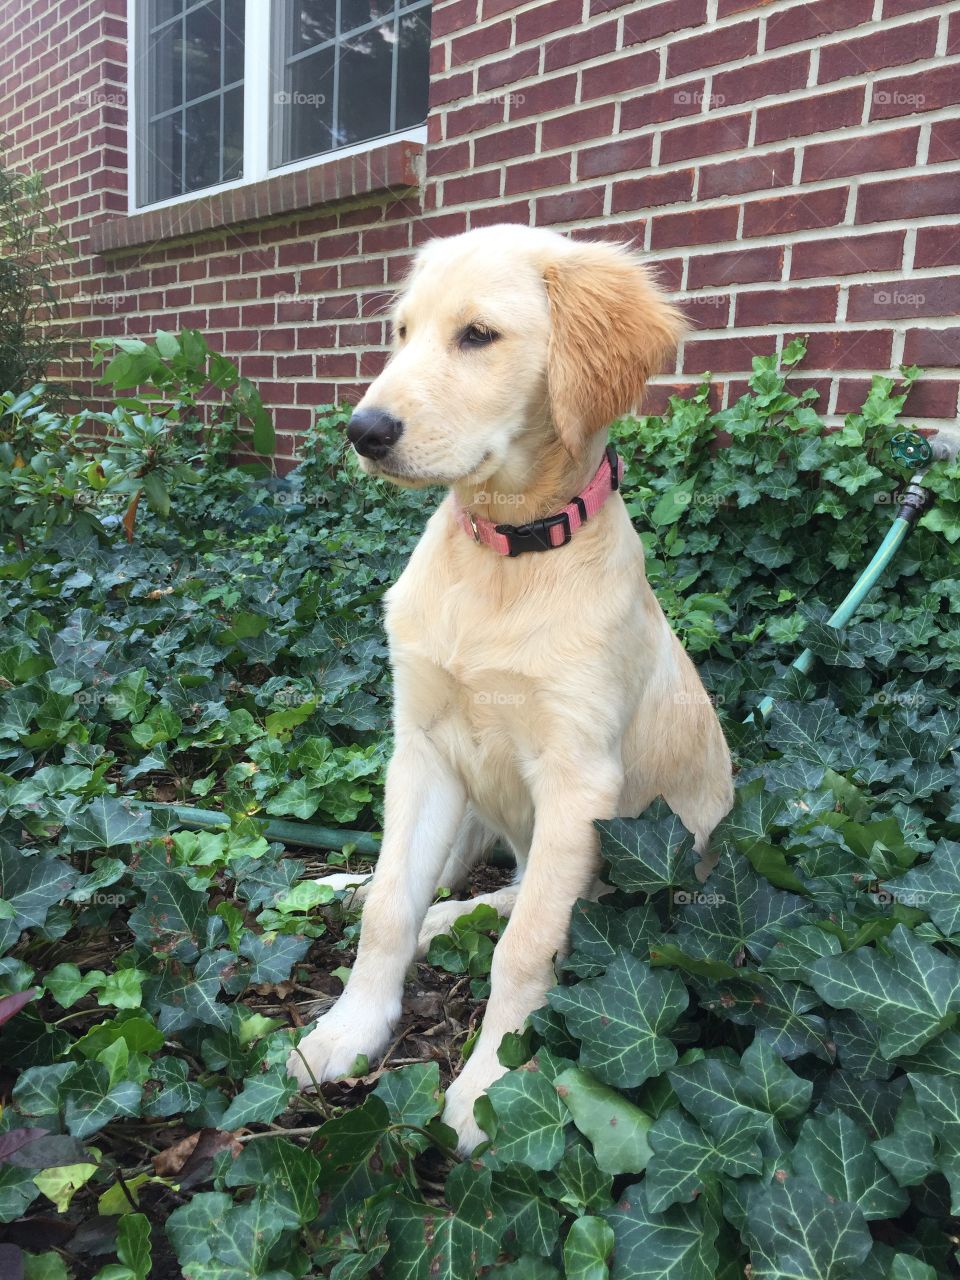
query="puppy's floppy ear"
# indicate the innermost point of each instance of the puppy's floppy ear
(610, 330)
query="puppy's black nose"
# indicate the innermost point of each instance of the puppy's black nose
(373, 433)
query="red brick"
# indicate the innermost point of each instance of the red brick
(932, 348)
(506, 144)
(815, 18)
(896, 199)
(318, 279)
(473, 116)
(654, 20)
(782, 214)
(615, 157)
(547, 19)
(815, 114)
(929, 398)
(294, 366)
(577, 126)
(580, 46)
(518, 211)
(444, 89)
(452, 159)
(547, 95)
(725, 355)
(300, 251)
(337, 307)
(788, 306)
(741, 266)
(569, 206)
(622, 75)
(447, 18)
(663, 104)
(697, 226)
(851, 255)
(366, 271)
(674, 187)
(847, 349)
(953, 35)
(877, 152)
(483, 185)
(493, 75)
(707, 310)
(891, 48)
(656, 396)
(937, 247)
(761, 79)
(490, 38)
(751, 173)
(704, 138)
(896, 299)
(547, 171)
(935, 89)
(897, 8)
(727, 44)
(944, 141)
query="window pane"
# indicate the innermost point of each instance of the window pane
(357, 13)
(165, 159)
(311, 23)
(233, 135)
(165, 69)
(192, 139)
(367, 59)
(202, 144)
(309, 104)
(366, 63)
(202, 50)
(413, 68)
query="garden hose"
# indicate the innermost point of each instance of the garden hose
(907, 447)
(303, 834)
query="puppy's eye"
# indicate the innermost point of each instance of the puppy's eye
(401, 331)
(476, 335)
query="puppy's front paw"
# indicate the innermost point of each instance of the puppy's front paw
(475, 1079)
(332, 1047)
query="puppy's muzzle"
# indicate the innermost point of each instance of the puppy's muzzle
(373, 433)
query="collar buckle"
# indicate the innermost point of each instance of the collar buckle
(535, 536)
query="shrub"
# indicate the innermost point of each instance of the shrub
(757, 1072)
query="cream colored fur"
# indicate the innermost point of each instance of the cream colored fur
(535, 694)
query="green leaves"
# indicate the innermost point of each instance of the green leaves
(679, 1244)
(798, 1233)
(834, 1153)
(911, 989)
(621, 1017)
(529, 1120)
(616, 1128)
(648, 853)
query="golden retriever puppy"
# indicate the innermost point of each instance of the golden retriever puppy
(538, 685)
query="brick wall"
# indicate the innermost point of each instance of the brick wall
(792, 167)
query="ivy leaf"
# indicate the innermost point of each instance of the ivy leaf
(795, 1230)
(908, 1151)
(620, 1018)
(529, 1120)
(445, 1244)
(685, 1157)
(679, 1244)
(616, 1128)
(939, 1100)
(834, 1153)
(587, 1249)
(737, 912)
(577, 1180)
(781, 1011)
(911, 989)
(262, 1099)
(285, 1173)
(935, 887)
(108, 822)
(90, 1101)
(412, 1094)
(212, 1236)
(646, 853)
(598, 933)
(527, 1218)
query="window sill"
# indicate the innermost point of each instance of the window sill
(392, 166)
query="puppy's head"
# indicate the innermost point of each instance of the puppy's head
(505, 337)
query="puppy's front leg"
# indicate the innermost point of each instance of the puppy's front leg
(562, 866)
(425, 803)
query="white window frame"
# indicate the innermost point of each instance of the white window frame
(256, 116)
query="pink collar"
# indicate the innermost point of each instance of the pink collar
(551, 531)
